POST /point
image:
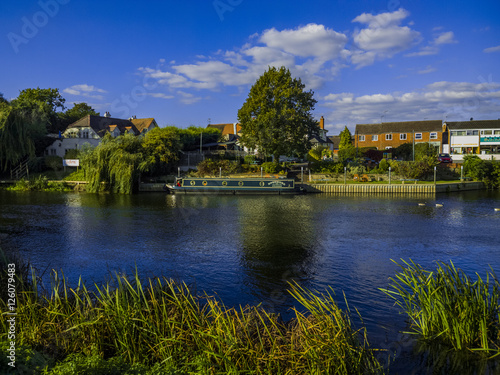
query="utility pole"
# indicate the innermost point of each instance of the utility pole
(201, 142)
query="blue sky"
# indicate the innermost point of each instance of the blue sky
(190, 62)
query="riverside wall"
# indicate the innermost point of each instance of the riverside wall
(412, 189)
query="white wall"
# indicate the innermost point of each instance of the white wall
(60, 145)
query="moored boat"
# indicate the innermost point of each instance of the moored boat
(233, 185)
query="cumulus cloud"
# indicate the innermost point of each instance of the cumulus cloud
(85, 90)
(442, 100)
(432, 48)
(492, 49)
(312, 52)
(383, 37)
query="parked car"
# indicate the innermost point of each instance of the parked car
(444, 158)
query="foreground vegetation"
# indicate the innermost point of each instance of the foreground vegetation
(158, 326)
(448, 307)
(161, 323)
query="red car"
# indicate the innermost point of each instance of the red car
(445, 158)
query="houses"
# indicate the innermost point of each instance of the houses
(90, 130)
(388, 135)
(472, 137)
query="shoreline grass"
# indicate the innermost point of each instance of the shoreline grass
(446, 306)
(161, 323)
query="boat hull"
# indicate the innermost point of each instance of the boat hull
(233, 186)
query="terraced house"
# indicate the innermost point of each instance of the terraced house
(388, 135)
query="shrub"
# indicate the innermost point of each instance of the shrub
(209, 167)
(271, 167)
(53, 162)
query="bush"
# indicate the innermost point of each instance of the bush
(271, 167)
(327, 167)
(209, 167)
(383, 166)
(53, 162)
(249, 159)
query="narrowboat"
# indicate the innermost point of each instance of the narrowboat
(261, 185)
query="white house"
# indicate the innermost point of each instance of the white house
(90, 130)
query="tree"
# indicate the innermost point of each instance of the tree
(346, 148)
(276, 117)
(345, 139)
(20, 128)
(48, 99)
(161, 147)
(51, 97)
(78, 111)
(115, 164)
(2, 99)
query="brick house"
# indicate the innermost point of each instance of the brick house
(388, 135)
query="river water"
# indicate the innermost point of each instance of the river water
(246, 249)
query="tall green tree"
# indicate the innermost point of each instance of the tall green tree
(346, 148)
(115, 164)
(276, 117)
(345, 139)
(161, 148)
(2, 99)
(20, 129)
(49, 99)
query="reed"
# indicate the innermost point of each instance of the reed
(162, 322)
(449, 307)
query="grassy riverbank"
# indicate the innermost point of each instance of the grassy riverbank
(159, 326)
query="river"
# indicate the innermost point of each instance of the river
(246, 249)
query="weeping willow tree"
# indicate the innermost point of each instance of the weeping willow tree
(20, 126)
(115, 164)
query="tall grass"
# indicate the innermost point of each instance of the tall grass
(447, 306)
(161, 321)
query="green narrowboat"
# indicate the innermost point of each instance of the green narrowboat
(261, 185)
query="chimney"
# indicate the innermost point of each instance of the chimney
(235, 128)
(322, 123)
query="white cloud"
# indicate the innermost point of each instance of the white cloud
(313, 53)
(442, 100)
(427, 70)
(383, 38)
(157, 95)
(445, 38)
(85, 90)
(382, 20)
(492, 49)
(432, 48)
(188, 98)
(309, 41)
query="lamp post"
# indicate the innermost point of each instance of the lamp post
(461, 173)
(435, 171)
(389, 175)
(345, 174)
(301, 175)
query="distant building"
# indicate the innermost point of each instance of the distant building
(321, 139)
(472, 137)
(91, 129)
(388, 135)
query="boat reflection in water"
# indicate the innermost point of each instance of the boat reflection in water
(234, 185)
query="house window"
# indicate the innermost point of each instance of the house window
(53, 151)
(418, 136)
(472, 132)
(486, 132)
(374, 138)
(361, 138)
(402, 136)
(388, 137)
(434, 135)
